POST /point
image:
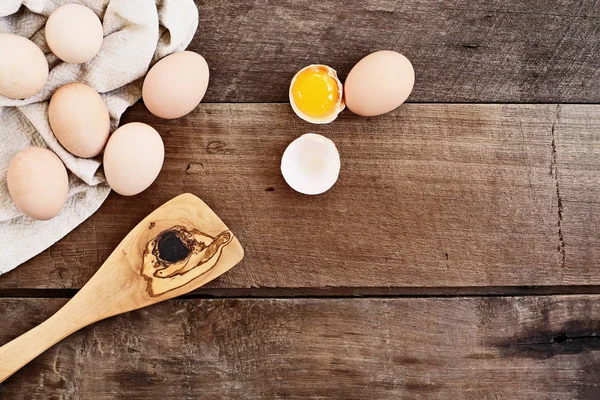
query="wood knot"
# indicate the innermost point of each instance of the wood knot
(195, 168)
(218, 147)
(171, 247)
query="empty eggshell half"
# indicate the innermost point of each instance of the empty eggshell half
(175, 85)
(133, 158)
(311, 164)
(74, 33)
(23, 67)
(379, 83)
(79, 119)
(38, 183)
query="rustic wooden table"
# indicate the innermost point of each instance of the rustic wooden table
(456, 257)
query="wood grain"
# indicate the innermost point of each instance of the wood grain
(431, 195)
(462, 51)
(577, 142)
(424, 348)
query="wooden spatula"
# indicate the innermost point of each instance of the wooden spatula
(179, 247)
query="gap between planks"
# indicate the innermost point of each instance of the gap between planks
(343, 293)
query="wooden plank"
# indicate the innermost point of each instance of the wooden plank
(577, 143)
(429, 196)
(463, 51)
(412, 348)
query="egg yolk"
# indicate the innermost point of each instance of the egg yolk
(315, 92)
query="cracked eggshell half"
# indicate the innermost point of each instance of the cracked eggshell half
(316, 94)
(311, 164)
(133, 158)
(379, 83)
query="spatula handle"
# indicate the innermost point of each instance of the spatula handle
(18, 352)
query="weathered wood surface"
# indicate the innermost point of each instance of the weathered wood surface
(462, 50)
(470, 348)
(431, 195)
(433, 199)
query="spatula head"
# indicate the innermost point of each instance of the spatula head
(179, 247)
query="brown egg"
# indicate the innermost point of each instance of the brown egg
(379, 83)
(133, 158)
(38, 182)
(23, 67)
(79, 119)
(74, 33)
(176, 84)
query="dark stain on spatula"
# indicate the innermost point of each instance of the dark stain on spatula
(171, 248)
(178, 255)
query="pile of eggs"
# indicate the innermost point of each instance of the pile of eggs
(133, 155)
(377, 84)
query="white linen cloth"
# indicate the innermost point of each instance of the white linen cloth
(137, 33)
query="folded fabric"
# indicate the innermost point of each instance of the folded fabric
(136, 34)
